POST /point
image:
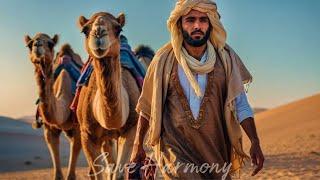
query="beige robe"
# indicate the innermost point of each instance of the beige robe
(201, 144)
(154, 93)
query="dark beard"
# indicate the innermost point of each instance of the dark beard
(195, 42)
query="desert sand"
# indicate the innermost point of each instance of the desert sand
(289, 135)
(290, 139)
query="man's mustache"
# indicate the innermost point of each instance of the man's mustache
(197, 31)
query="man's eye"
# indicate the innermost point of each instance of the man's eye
(204, 20)
(190, 20)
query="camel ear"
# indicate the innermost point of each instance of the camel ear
(121, 19)
(55, 39)
(28, 41)
(82, 21)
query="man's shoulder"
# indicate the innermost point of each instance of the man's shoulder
(228, 48)
(161, 60)
(237, 61)
(233, 55)
(162, 54)
(164, 50)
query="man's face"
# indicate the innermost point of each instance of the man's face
(195, 28)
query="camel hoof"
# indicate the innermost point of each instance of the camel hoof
(36, 124)
(71, 177)
(58, 177)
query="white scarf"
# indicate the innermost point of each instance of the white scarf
(190, 64)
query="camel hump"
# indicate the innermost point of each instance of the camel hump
(66, 49)
(144, 51)
(77, 59)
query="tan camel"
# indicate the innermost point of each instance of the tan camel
(106, 108)
(55, 98)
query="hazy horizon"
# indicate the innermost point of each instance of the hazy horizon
(277, 40)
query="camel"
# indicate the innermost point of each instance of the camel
(55, 96)
(106, 107)
(144, 54)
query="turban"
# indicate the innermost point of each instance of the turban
(217, 36)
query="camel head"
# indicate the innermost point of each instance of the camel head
(102, 32)
(41, 52)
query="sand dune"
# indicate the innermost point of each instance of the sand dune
(290, 138)
(259, 110)
(28, 119)
(23, 148)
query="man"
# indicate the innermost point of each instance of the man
(193, 100)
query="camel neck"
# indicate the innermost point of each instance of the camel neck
(47, 100)
(108, 79)
(107, 100)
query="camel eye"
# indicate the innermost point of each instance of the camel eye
(85, 30)
(50, 45)
(29, 45)
(118, 30)
(35, 62)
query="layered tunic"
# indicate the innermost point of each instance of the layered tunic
(200, 143)
(153, 100)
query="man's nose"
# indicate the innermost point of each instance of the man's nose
(196, 25)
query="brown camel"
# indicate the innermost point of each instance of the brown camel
(55, 97)
(106, 108)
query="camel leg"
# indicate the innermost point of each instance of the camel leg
(52, 138)
(107, 149)
(125, 145)
(91, 146)
(75, 147)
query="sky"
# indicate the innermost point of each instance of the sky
(278, 40)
